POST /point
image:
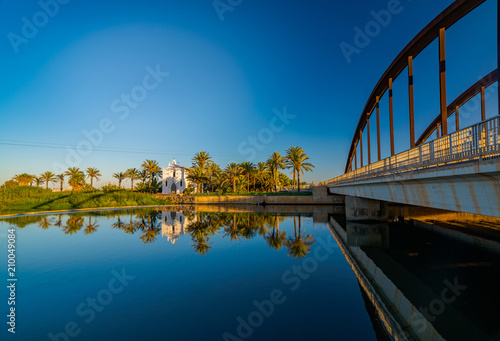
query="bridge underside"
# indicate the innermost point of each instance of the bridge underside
(471, 187)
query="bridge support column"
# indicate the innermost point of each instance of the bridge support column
(359, 209)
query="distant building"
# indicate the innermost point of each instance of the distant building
(172, 225)
(174, 179)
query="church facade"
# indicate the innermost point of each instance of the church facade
(174, 179)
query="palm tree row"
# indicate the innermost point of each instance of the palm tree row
(235, 177)
(262, 176)
(76, 178)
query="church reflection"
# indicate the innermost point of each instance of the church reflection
(173, 225)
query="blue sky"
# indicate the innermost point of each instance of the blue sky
(270, 71)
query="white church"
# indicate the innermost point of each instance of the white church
(175, 179)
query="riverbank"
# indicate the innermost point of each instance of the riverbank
(319, 196)
(29, 199)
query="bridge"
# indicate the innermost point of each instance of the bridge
(457, 171)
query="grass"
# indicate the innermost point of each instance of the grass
(31, 199)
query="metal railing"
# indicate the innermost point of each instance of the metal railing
(475, 143)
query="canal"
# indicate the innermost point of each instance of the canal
(246, 273)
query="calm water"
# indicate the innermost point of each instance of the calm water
(161, 275)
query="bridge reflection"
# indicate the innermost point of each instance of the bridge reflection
(424, 283)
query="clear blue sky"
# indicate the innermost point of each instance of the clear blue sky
(226, 79)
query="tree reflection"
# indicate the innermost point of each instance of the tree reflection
(232, 230)
(200, 226)
(200, 231)
(73, 225)
(90, 227)
(45, 223)
(299, 246)
(150, 224)
(276, 238)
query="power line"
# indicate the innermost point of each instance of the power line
(97, 149)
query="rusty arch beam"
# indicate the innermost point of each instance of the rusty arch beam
(475, 89)
(445, 19)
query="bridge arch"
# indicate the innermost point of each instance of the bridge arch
(435, 29)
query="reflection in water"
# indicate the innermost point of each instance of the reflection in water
(91, 227)
(299, 245)
(419, 285)
(200, 226)
(172, 225)
(73, 225)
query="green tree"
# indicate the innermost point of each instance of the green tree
(275, 163)
(93, 173)
(38, 181)
(151, 167)
(77, 181)
(232, 172)
(201, 159)
(120, 177)
(213, 170)
(197, 176)
(24, 179)
(296, 158)
(76, 178)
(132, 174)
(247, 169)
(261, 173)
(60, 177)
(48, 177)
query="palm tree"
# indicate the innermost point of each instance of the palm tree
(132, 174)
(151, 167)
(93, 173)
(197, 176)
(213, 170)
(60, 177)
(77, 181)
(76, 177)
(120, 177)
(296, 158)
(247, 168)
(232, 172)
(261, 173)
(201, 159)
(275, 163)
(24, 179)
(48, 177)
(38, 181)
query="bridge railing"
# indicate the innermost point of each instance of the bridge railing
(477, 142)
